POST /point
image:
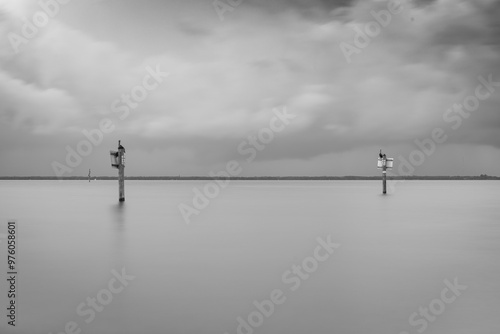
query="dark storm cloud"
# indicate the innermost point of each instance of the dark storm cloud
(314, 10)
(306, 5)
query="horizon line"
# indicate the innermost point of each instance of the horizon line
(295, 177)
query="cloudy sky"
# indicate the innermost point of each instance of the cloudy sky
(353, 85)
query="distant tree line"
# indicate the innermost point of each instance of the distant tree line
(255, 178)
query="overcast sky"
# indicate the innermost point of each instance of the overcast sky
(229, 66)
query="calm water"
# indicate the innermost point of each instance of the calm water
(395, 253)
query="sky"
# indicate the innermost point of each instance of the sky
(283, 87)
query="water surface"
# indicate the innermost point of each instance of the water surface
(395, 253)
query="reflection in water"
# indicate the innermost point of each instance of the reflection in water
(118, 221)
(118, 215)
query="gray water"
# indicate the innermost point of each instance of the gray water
(395, 253)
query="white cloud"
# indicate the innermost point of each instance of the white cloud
(226, 77)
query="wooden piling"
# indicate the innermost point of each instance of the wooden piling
(121, 172)
(384, 178)
(384, 163)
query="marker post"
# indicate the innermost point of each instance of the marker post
(118, 161)
(384, 163)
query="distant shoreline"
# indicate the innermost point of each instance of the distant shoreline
(255, 178)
